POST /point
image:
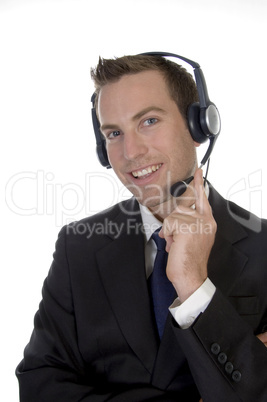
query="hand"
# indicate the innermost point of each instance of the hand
(190, 235)
(263, 338)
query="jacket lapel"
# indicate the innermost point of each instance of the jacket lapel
(122, 269)
(226, 261)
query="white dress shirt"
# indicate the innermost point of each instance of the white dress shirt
(184, 313)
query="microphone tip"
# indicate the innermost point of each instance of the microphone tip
(178, 189)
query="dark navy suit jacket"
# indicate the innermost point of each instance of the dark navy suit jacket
(95, 338)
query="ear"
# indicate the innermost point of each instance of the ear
(197, 144)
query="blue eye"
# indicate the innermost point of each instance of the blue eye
(113, 134)
(150, 121)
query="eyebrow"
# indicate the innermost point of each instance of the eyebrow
(147, 110)
(137, 116)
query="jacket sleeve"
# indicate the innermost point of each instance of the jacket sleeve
(226, 359)
(52, 368)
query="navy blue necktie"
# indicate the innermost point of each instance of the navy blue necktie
(162, 290)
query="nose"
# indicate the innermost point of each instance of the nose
(134, 145)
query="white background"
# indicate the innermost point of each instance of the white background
(48, 165)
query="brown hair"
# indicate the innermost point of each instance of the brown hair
(181, 85)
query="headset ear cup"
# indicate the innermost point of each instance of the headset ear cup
(102, 153)
(193, 118)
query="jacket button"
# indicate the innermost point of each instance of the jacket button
(222, 358)
(229, 367)
(215, 348)
(236, 376)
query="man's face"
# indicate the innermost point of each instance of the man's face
(148, 143)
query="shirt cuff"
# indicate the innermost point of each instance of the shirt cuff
(185, 313)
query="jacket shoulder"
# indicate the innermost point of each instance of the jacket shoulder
(232, 217)
(125, 208)
(109, 223)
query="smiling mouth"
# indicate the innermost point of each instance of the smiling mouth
(139, 174)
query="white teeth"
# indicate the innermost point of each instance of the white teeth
(144, 172)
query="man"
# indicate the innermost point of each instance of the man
(96, 335)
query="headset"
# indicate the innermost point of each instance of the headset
(203, 121)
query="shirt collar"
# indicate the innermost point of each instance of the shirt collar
(150, 222)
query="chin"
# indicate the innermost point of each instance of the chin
(154, 201)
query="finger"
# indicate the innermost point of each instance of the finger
(161, 233)
(263, 338)
(202, 204)
(169, 239)
(199, 190)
